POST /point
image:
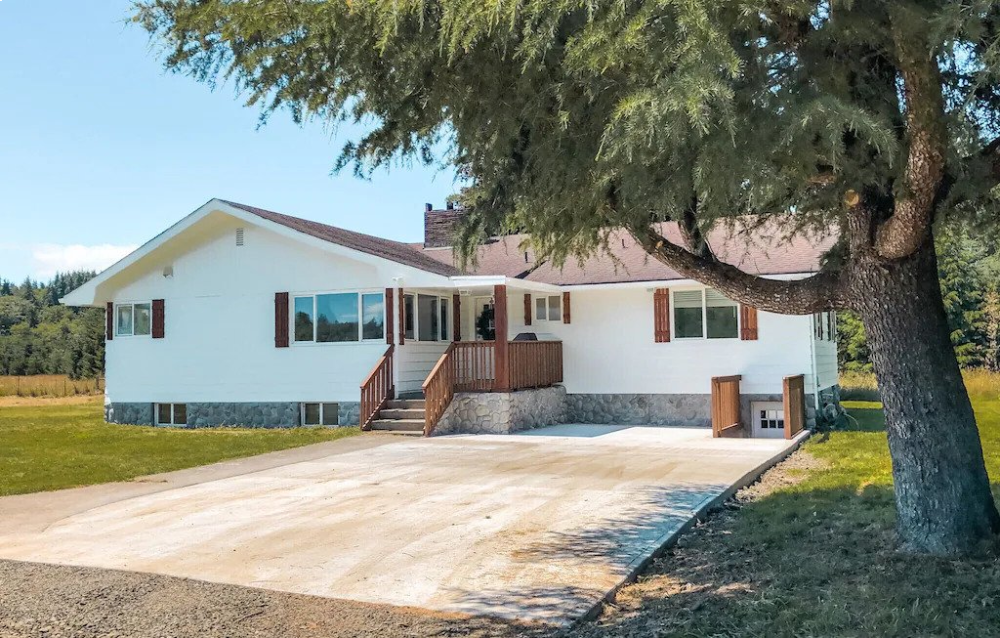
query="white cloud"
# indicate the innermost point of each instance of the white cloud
(48, 259)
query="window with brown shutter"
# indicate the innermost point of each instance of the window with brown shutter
(661, 315)
(527, 309)
(281, 320)
(110, 321)
(158, 319)
(565, 305)
(748, 323)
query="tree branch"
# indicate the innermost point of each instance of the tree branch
(905, 231)
(820, 292)
(691, 233)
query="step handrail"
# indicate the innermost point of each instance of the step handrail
(377, 389)
(439, 390)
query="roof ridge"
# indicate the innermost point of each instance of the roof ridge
(390, 249)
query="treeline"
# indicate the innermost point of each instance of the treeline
(969, 269)
(39, 336)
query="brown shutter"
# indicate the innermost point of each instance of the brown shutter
(456, 317)
(661, 315)
(158, 319)
(281, 320)
(748, 320)
(389, 317)
(110, 321)
(527, 309)
(566, 315)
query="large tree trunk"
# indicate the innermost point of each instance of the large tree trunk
(943, 494)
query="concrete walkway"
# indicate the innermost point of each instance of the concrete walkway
(539, 526)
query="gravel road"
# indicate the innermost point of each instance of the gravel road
(53, 601)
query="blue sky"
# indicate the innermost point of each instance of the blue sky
(101, 149)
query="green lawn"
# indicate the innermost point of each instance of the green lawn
(56, 445)
(815, 554)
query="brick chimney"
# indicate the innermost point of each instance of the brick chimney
(439, 225)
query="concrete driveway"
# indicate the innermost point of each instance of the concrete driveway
(539, 526)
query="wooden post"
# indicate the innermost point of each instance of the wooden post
(402, 317)
(502, 355)
(390, 330)
(456, 317)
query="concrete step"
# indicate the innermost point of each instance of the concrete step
(399, 425)
(406, 404)
(402, 413)
(413, 433)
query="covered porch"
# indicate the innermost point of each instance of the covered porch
(492, 347)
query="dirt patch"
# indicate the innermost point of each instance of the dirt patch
(58, 601)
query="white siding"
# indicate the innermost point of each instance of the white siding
(414, 361)
(609, 348)
(219, 343)
(827, 371)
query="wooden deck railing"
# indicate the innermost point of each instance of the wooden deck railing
(535, 364)
(470, 366)
(794, 394)
(377, 389)
(726, 406)
(439, 388)
(474, 364)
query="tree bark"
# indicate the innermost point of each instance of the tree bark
(943, 498)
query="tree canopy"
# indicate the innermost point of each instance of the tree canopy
(570, 118)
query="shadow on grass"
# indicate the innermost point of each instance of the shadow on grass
(805, 562)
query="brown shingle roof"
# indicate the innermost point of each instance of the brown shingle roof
(761, 252)
(386, 248)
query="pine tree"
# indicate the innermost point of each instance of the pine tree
(571, 118)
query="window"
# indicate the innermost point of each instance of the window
(171, 414)
(341, 317)
(410, 318)
(320, 414)
(688, 318)
(720, 316)
(133, 320)
(705, 313)
(373, 316)
(426, 317)
(548, 308)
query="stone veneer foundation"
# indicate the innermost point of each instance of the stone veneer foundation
(503, 412)
(250, 415)
(692, 410)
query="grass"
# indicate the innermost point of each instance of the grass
(811, 551)
(48, 385)
(60, 443)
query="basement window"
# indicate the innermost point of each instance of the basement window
(320, 414)
(171, 414)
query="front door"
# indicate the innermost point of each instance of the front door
(768, 419)
(483, 326)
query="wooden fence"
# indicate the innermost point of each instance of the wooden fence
(794, 395)
(726, 407)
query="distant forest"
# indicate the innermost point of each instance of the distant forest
(39, 336)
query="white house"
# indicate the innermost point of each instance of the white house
(240, 316)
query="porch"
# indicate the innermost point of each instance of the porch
(491, 360)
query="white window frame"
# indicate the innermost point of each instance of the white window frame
(449, 330)
(132, 305)
(173, 417)
(361, 318)
(548, 308)
(704, 317)
(322, 410)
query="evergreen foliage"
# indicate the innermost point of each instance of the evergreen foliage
(968, 268)
(39, 336)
